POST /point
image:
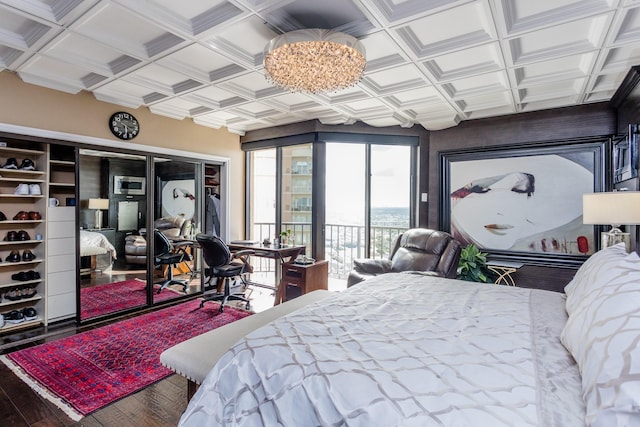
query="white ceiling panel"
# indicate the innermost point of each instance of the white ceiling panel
(434, 63)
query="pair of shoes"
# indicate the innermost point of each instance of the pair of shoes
(14, 256)
(15, 316)
(12, 163)
(28, 189)
(3, 217)
(15, 294)
(23, 216)
(24, 276)
(20, 236)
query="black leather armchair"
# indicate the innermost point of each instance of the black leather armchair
(419, 250)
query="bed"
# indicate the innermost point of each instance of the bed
(404, 349)
(93, 244)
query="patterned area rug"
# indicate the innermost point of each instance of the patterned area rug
(85, 372)
(113, 297)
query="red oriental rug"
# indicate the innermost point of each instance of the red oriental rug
(113, 297)
(85, 372)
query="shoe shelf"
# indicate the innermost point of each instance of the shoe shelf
(15, 284)
(19, 263)
(8, 303)
(14, 222)
(23, 325)
(32, 199)
(26, 152)
(19, 242)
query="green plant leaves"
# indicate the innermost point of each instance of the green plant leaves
(472, 266)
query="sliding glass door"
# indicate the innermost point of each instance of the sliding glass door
(368, 201)
(343, 200)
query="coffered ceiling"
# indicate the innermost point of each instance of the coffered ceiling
(433, 63)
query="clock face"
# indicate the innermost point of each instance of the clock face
(124, 125)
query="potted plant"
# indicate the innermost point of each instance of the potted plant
(473, 265)
(285, 235)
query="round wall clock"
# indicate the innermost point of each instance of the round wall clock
(124, 125)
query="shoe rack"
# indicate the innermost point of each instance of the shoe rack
(22, 227)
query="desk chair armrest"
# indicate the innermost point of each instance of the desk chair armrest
(244, 252)
(243, 255)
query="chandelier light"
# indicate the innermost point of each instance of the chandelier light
(314, 61)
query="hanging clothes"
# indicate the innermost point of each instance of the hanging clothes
(212, 217)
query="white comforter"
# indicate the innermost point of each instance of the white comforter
(90, 241)
(401, 350)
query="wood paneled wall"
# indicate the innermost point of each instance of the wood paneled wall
(536, 127)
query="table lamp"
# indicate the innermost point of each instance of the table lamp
(99, 205)
(615, 208)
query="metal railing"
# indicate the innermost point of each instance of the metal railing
(343, 244)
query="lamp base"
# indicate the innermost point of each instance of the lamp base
(613, 237)
(98, 219)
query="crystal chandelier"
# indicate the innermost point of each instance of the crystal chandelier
(314, 61)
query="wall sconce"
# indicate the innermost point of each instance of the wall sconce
(99, 205)
(615, 208)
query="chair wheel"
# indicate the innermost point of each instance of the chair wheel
(221, 309)
(248, 307)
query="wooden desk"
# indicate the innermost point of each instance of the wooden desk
(281, 254)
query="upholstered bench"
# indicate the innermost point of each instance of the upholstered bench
(195, 357)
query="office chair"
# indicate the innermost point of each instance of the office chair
(164, 254)
(222, 266)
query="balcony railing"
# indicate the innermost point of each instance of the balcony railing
(343, 244)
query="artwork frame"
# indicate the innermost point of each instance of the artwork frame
(523, 203)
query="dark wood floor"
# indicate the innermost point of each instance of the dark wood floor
(158, 405)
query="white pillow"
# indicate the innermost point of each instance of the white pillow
(595, 271)
(603, 335)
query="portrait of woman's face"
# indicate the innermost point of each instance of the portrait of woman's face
(529, 203)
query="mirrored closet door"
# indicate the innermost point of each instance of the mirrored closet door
(113, 248)
(177, 195)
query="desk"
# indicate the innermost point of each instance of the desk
(281, 254)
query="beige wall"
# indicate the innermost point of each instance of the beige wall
(32, 106)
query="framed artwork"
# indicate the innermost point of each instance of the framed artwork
(178, 198)
(523, 202)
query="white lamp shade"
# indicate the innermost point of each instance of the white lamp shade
(615, 208)
(101, 204)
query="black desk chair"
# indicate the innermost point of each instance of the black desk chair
(221, 265)
(166, 255)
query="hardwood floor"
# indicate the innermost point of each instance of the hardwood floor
(160, 404)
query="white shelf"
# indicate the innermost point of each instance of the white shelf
(22, 151)
(6, 303)
(17, 326)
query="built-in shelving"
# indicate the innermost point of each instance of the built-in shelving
(10, 205)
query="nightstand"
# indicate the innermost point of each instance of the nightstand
(298, 279)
